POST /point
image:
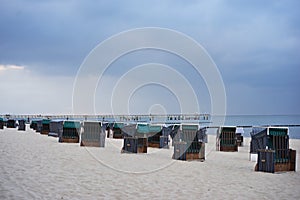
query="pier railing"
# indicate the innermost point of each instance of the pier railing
(150, 118)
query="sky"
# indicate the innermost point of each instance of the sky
(255, 46)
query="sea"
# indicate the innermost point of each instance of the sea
(249, 121)
(245, 121)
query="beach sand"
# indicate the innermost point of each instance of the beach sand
(34, 166)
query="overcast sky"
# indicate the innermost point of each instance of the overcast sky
(254, 44)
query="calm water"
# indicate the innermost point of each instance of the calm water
(261, 120)
(249, 120)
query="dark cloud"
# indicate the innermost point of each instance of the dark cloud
(255, 44)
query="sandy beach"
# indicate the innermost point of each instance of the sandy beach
(34, 166)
